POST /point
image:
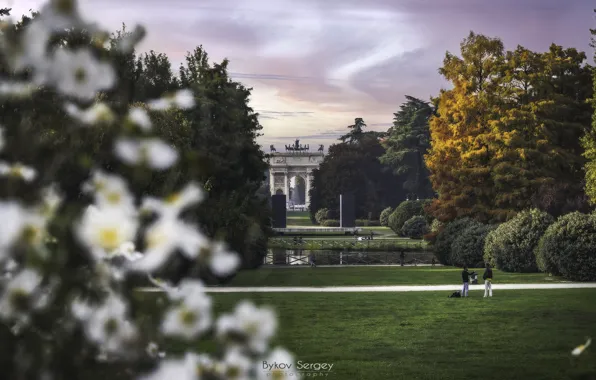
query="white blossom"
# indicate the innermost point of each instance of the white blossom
(110, 190)
(577, 351)
(79, 74)
(174, 369)
(150, 151)
(18, 170)
(18, 296)
(190, 318)
(220, 260)
(107, 325)
(173, 205)
(236, 366)
(254, 326)
(103, 230)
(163, 237)
(140, 117)
(279, 356)
(127, 42)
(10, 232)
(153, 350)
(33, 51)
(17, 89)
(97, 113)
(183, 99)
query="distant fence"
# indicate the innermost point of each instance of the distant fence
(300, 257)
(349, 244)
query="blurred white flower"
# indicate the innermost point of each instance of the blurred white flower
(51, 201)
(128, 251)
(140, 117)
(220, 260)
(58, 15)
(279, 356)
(249, 325)
(190, 318)
(127, 43)
(10, 232)
(103, 230)
(17, 89)
(163, 237)
(150, 151)
(18, 170)
(110, 190)
(107, 326)
(577, 351)
(183, 99)
(173, 205)
(79, 74)
(9, 267)
(16, 301)
(33, 51)
(236, 366)
(153, 351)
(97, 113)
(174, 369)
(187, 289)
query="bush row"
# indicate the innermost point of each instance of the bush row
(532, 241)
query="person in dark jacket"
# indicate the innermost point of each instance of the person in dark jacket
(488, 281)
(465, 276)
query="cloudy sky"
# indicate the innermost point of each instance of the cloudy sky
(315, 65)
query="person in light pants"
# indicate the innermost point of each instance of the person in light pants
(488, 281)
(465, 275)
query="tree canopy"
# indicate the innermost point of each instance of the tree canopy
(507, 135)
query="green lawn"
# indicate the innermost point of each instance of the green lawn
(390, 336)
(370, 275)
(298, 218)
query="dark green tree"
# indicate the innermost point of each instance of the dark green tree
(407, 141)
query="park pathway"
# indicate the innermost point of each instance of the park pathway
(389, 288)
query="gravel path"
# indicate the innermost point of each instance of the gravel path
(399, 288)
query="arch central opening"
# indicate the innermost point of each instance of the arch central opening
(297, 196)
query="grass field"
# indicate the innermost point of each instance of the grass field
(390, 336)
(370, 275)
(298, 218)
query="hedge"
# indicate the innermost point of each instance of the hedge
(405, 211)
(384, 218)
(568, 247)
(448, 234)
(467, 248)
(511, 246)
(415, 227)
(330, 223)
(321, 215)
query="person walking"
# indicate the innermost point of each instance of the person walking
(311, 259)
(402, 258)
(488, 281)
(465, 276)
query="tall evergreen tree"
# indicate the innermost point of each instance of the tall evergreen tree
(408, 140)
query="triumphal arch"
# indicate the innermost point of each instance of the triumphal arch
(295, 161)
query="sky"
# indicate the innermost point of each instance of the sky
(316, 65)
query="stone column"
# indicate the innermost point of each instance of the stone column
(286, 185)
(272, 182)
(307, 189)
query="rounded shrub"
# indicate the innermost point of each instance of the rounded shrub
(447, 235)
(468, 246)
(321, 215)
(415, 227)
(510, 247)
(330, 223)
(384, 218)
(403, 212)
(568, 247)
